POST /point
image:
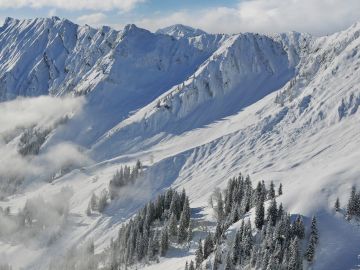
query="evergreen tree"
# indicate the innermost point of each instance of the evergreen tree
(164, 242)
(189, 233)
(271, 194)
(208, 246)
(199, 255)
(186, 212)
(295, 259)
(259, 214)
(310, 251)
(280, 192)
(337, 205)
(236, 255)
(298, 228)
(313, 241)
(218, 233)
(272, 213)
(351, 207)
(172, 227)
(280, 212)
(182, 230)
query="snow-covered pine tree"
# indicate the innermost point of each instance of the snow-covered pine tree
(218, 232)
(313, 241)
(295, 258)
(280, 212)
(351, 207)
(189, 233)
(182, 230)
(337, 205)
(280, 191)
(259, 213)
(236, 249)
(298, 228)
(199, 255)
(172, 225)
(164, 242)
(271, 193)
(208, 246)
(272, 212)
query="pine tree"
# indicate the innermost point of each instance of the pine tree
(310, 251)
(280, 192)
(271, 194)
(314, 230)
(295, 259)
(236, 255)
(189, 233)
(272, 213)
(218, 233)
(259, 214)
(199, 255)
(280, 212)
(313, 241)
(186, 212)
(351, 208)
(172, 227)
(337, 205)
(182, 230)
(164, 242)
(298, 228)
(150, 249)
(208, 246)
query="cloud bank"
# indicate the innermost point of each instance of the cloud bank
(22, 115)
(318, 17)
(121, 5)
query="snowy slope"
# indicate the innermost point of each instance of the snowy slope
(282, 107)
(180, 31)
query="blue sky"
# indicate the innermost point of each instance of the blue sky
(318, 17)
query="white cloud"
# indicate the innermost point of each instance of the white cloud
(122, 5)
(42, 113)
(317, 17)
(94, 19)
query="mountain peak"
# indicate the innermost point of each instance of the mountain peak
(132, 28)
(180, 31)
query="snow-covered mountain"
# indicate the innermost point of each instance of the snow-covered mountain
(181, 31)
(196, 109)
